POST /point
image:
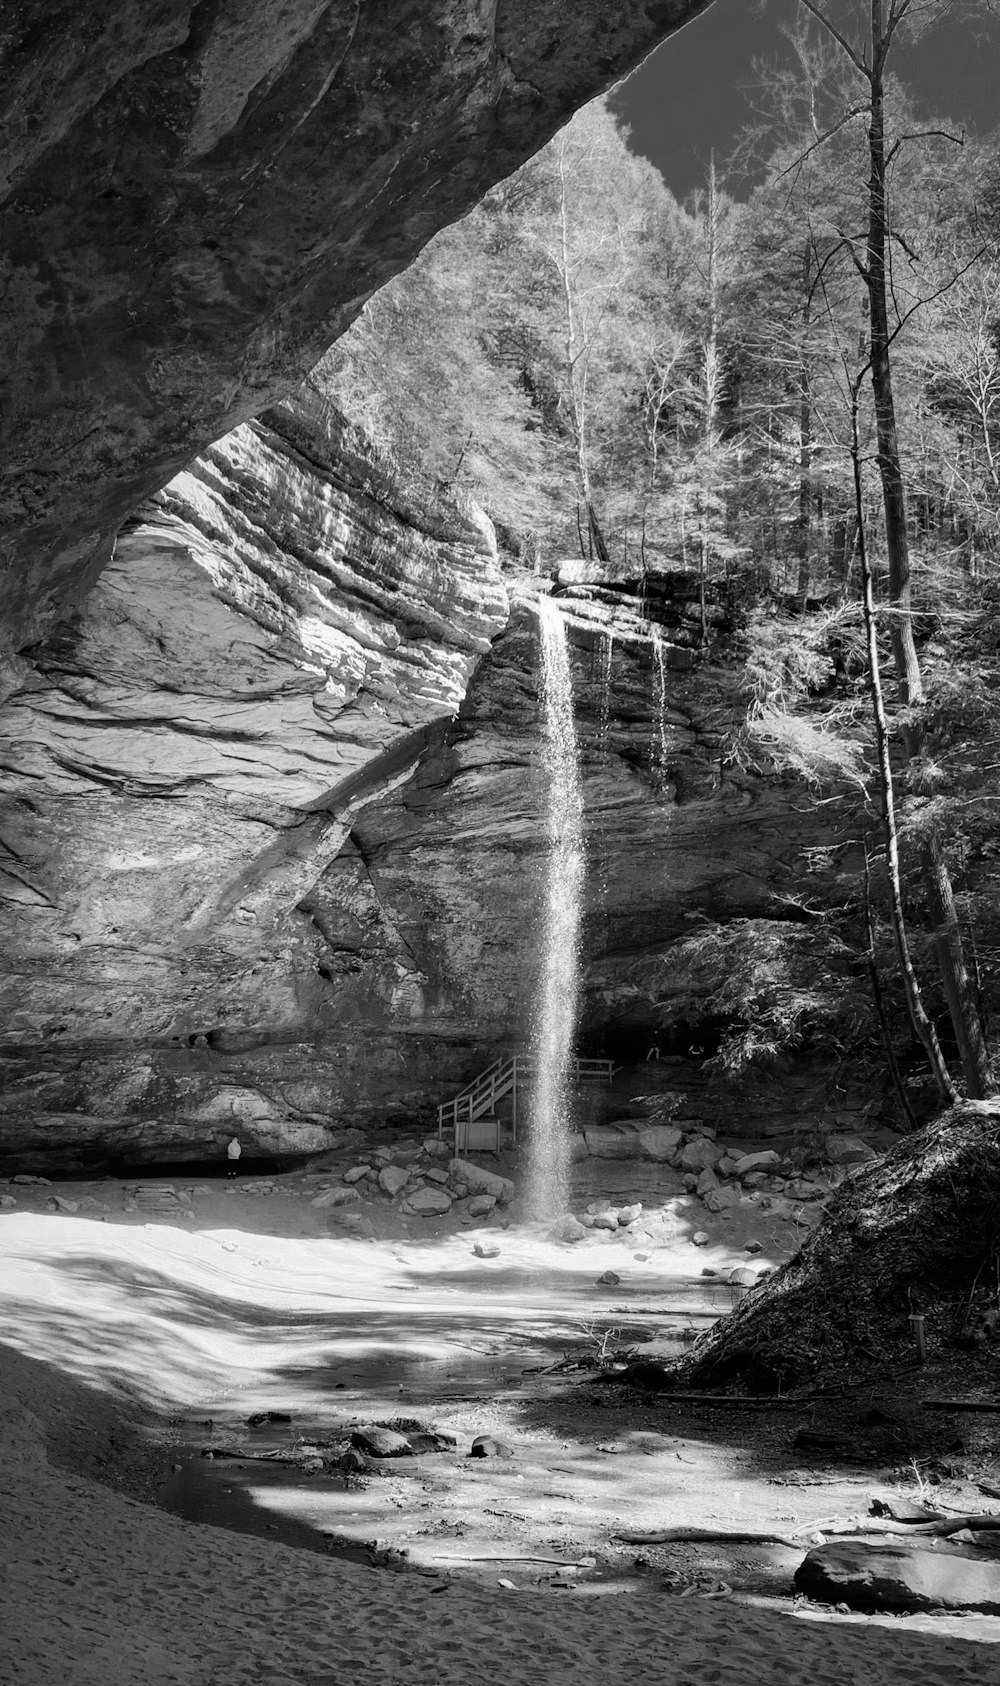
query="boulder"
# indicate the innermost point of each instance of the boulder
(847, 1150)
(435, 1148)
(336, 1197)
(608, 1279)
(481, 1204)
(393, 1178)
(427, 1202)
(486, 1250)
(355, 1174)
(608, 1219)
(614, 1141)
(434, 1174)
(378, 1442)
(706, 1181)
(480, 1181)
(567, 1228)
(7, 1202)
(723, 1198)
(700, 1238)
(484, 1446)
(660, 1142)
(628, 1214)
(765, 1161)
(700, 1153)
(891, 1576)
(59, 1203)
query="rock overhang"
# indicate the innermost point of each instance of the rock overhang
(197, 200)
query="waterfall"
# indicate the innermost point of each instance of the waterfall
(554, 1021)
(660, 700)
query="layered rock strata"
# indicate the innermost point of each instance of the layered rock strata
(274, 643)
(196, 199)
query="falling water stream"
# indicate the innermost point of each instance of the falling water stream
(554, 1020)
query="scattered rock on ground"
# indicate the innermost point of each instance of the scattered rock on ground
(355, 1174)
(480, 1181)
(606, 1219)
(628, 1214)
(427, 1202)
(393, 1178)
(7, 1202)
(59, 1203)
(890, 1576)
(486, 1250)
(723, 1198)
(335, 1197)
(568, 1228)
(700, 1153)
(614, 1141)
(484, 1446)
(609, 1279)
(700, 1238)
(378, 1442)
(757, 1161)
(660, 1142)
(847, 1150)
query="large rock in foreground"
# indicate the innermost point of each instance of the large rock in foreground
(195, 200)
(899, 1577)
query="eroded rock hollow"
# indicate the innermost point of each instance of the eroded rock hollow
(197, 198)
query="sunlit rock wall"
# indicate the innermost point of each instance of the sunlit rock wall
(277, 637)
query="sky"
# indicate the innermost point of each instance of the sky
(693, 92)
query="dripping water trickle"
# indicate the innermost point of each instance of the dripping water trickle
(607, 649)
(660, 702)
(555, 1014)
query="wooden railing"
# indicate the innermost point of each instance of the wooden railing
(505, 1077)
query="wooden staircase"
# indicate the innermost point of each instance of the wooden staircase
(472, 1114)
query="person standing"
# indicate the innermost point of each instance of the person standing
(233, 1152)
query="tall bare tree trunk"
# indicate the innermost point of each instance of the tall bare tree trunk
(911, 987)
(890, 470)
(805, 434)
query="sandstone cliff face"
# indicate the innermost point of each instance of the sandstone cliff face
(273, 645)
(196, 199)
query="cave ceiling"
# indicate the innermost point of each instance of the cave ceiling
(196, 199)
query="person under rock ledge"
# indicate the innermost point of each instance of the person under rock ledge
(233, 1152)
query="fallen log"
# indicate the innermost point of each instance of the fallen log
(910, 1530)
(733, 1401)
(961, 1404)
(509, 1557)
(668, 1536)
